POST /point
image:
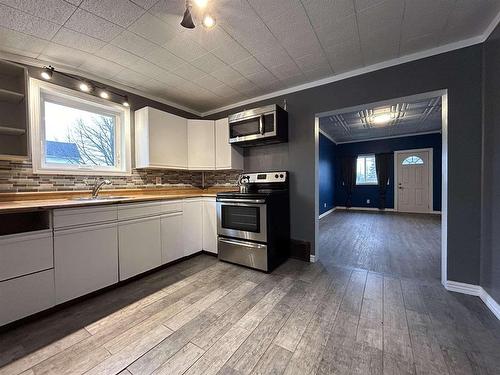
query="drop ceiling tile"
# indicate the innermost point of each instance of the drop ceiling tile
(270, 10)
(70, 38)
(364, 4)
(184, 47)
(345, 56)
(146, 4)
(248, 66)
(164, 59)
(208, 82)
(75, 2)
(385, 15)
(208, 63)
(17, 20)
(189, 72)
(63, 55)
(285, 71)
(134, 43)
(381, 46)
(311, 62)
(420, 43)
(210, 39)
(173, 80)
(226, 75)
(21, 44)
(123, 12)
(262, 78)
(114, 53)
(231, 53)
(146, 68)
(130, 78)
(271, 59)
(151, 28)
(100, 67)
(57, 11)
(224, 91)
(424, 17)
(169, 11)
(325, 12)
(344, 30)
(89, 24)
(318, 73)
(243, 85)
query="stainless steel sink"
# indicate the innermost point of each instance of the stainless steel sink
(101, 198)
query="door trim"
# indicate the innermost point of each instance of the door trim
(431, 173)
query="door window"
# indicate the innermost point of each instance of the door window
(412, 160)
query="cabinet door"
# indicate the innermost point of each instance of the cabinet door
(209, 226)
(139, 246)
(192, 226)
(201, 144)
(160, 139)
(171, 237)
(85, 260)
(226, 156)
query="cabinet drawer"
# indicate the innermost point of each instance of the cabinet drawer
(26, 295)
(70, 217)
(172, 206)
(137, 210)
(21, 254)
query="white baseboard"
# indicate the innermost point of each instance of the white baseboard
(312, 258)
(327, 213)
(364, 209)
(475, 290)
(435, 212)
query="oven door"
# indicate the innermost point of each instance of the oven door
(252, 127)
(245, 219)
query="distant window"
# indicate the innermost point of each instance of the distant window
(366, 172)
(78, 133)
(412, 160)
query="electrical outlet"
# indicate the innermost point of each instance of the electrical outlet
(324, 205)
(367, 201)
(158, 180)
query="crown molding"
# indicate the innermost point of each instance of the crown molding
(84, 74)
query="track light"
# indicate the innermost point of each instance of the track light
(208, 21)
(187, 19)
(47, 72)
(125, 102)
(85, 87)
(104, 94)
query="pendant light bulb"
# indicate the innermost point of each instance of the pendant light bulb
(208, 21)
(104, 94)
(47, 73)
(201, 3)
(125, 102)
(187, 19)
(85, 87)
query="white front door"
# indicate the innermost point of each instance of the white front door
(413, 176)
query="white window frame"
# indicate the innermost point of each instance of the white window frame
(38, 90)
(364, 183)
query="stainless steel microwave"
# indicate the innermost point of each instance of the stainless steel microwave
(259, 126)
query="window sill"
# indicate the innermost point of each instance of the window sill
(83, 172)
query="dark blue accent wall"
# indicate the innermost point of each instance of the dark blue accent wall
(326, 174)
(364, 192)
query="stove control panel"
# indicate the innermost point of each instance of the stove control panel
(264, 177)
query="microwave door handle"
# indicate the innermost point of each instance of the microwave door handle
(261, 124)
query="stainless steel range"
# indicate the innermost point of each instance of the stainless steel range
(253, 225)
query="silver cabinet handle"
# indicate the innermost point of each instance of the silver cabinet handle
(242, 243)
(261, 124)
(234, 200)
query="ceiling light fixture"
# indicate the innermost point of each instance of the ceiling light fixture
(104, 94)
(47, 72)
(208, 21)
(125, 102)
(85, 87)
(201, 3)
(187, 19)
(382, 118)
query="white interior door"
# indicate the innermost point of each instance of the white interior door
(413, 177)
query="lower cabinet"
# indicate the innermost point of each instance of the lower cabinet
(26, 295)
(192, 225)
(171, 237)
(85, 260)
(139, 246)
(209, 225)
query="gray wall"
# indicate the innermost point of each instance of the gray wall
(490, 244)
(458, 71)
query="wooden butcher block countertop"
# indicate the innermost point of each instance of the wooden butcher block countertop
(32, 201)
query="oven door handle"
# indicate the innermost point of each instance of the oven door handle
(235, 200)
(242, 243)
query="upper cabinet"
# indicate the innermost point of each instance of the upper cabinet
(201, 144)
(160, 139)
(163, 140)
(226, 156)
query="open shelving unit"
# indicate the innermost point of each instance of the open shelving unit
(13, 112)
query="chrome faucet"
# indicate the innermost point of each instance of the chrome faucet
(97, 186)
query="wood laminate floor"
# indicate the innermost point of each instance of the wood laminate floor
(202, 316)
(398, 244)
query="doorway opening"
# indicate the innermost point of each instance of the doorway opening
(381, 186)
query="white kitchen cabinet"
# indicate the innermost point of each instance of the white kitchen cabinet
(209, 225)
(26, 295)
(226, 155)
(139, 246)
(85, 260)
(160, 139)
(172, 240)
(192, 225)
(201, 144)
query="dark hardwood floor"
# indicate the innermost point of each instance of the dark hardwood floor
(398, 244)
(202, 316)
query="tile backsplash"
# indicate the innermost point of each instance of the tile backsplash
(17, 176)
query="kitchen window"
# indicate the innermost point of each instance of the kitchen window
(77, 133)
(366, 172)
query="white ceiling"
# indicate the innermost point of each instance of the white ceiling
(257, 47)
(415, 116)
